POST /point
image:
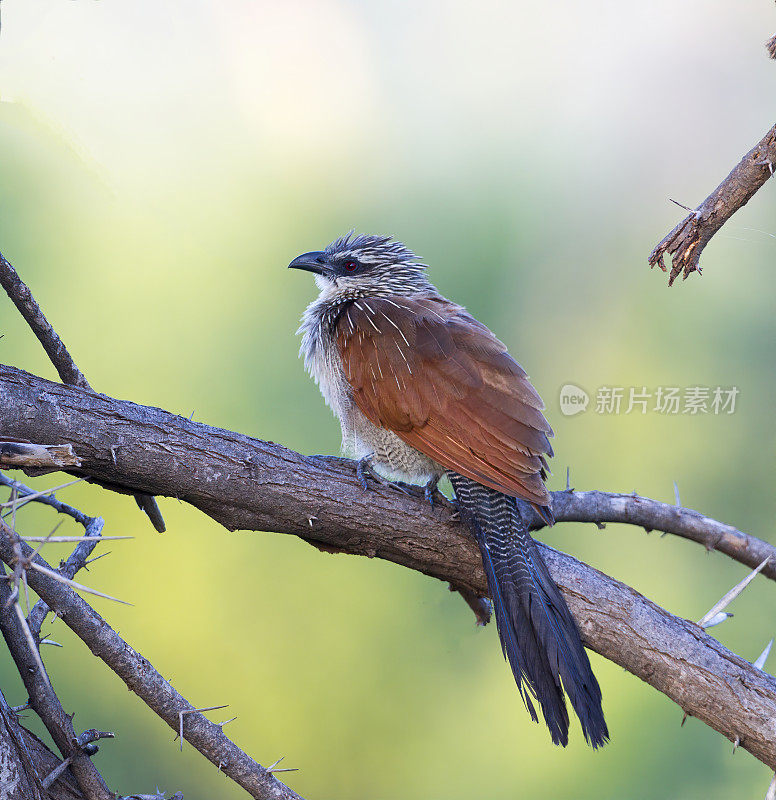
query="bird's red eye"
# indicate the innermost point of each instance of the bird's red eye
(350, 266)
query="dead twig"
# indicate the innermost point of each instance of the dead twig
(37, 456)
(686, 241)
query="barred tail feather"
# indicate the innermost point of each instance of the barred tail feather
(538, 634)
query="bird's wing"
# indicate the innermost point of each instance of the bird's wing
(427, 370)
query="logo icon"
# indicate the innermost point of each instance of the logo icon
(573, 400)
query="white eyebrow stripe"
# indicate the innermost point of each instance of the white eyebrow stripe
(397, 328)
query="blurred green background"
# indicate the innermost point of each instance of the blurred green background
(161, 163)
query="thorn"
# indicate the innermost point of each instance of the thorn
(73, 584)
(226, 722)
(678, 502)
(50, 641)
(194, 711)
(568, 480)
(600, 525)
(731, 595)
(310, 521)
(28, 498)
(19, 709)
(274, 767)
(60, 539)
(736, 743)
(684, 719)
(56, 772)
(763, 657)
(681, 205)
(721, 616)
(97, 558)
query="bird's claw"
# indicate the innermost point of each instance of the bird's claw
(429, 490)
(365, 470)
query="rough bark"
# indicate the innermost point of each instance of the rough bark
(250, 484)
(686, 241)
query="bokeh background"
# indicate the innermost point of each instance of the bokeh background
(161, 163)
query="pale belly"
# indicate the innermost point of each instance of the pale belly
(390, 456)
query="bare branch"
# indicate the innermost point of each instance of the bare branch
(61, 508)
(21, 767)
(59, 356)
(250, 484)
(140, 676)
(75, 562)
(44, 701)
(652, 515)
(37, 456)
(686, 241)
(27, 306)
(17, 502)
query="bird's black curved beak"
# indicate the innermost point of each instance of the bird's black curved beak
(315, 261)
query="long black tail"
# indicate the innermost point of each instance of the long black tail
(538, 634)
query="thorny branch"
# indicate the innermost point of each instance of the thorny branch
(251, 484)
(686, 241)
(23, 640)
(141, 677)
(42, 698)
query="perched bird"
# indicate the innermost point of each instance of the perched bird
(422, 389)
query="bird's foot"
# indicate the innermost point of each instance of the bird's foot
(430, 490)
(365, 470)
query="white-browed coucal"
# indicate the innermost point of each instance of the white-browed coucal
(422, 389)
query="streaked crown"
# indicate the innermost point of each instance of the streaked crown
(365, 266)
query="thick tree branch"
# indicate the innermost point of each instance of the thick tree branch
(59, 356)
(686, 241)
(250, 484)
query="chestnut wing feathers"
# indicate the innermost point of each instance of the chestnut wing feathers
(427, 370)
